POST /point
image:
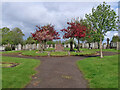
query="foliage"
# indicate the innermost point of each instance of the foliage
(15, 36)
(8, 48)
(100, 72)
(88, 52)
(19, 76)
(58, 53)
(5, 37)
(51, 42)
(30, 40)
(103, 19)
(34, 53)
(115, 39)
(74, 30)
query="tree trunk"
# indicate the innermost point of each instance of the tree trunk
(71, 45)
(98, 46)
(101, 54)
(78, 44)
(89, 45)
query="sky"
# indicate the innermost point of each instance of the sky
(26, 15)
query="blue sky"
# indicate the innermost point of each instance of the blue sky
(26, 15)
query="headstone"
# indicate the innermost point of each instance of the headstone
(19, 46)
(38, 46)
(59, 47)
(23, 47)
(118, 46)
(73, 46)
(51, 46)
(93, 45)
(65, 45)
(26, 47)
(104, 46)
(83, 46)
(96, 45)
(34, 47)
(68, 45)
(16, 49)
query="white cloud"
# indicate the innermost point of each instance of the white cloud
(26, 15)
(116, 34)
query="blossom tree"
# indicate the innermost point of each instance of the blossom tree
(74, 30)
(45, 33)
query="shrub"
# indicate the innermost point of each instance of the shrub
(8, 48)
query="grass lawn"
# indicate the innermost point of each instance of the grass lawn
(58, 53)
(86, 52)
(34, 53)
(100, 72)
(19, 76)
(6, 52)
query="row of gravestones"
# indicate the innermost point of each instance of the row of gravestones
(83, 45)
(31, 47)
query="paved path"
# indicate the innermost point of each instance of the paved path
(58, 72)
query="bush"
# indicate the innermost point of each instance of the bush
(8, 48)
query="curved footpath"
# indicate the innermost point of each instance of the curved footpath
(57, 72)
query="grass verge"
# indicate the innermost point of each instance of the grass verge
(58, 53)
(34, 53)
(100, 72)
(19, 76)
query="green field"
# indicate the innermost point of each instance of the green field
(19, 76)
(100, 72)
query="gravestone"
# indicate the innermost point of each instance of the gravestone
(23, 47)
(104, 46)
(34, 47)
(83, 45)
(19, 46)
(96, 45)
(73, 46)
(68, 45)
(38, 46)
(59, 47)
(65, 45)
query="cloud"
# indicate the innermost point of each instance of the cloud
(26, 15)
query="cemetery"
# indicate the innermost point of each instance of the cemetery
(45, 60)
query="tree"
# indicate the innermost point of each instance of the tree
(115, 38)
(45, 33)
(5, 37)
(74, 30)
(103, 19)
(16, 35)
(30, 40)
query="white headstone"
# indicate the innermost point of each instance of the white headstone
(19, 46)
(68, 45)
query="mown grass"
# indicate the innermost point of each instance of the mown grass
(6, 52)
(34, 53)
(100, 72)
(19, 76)
(84, 49)
(82, 53)
(58, 53)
